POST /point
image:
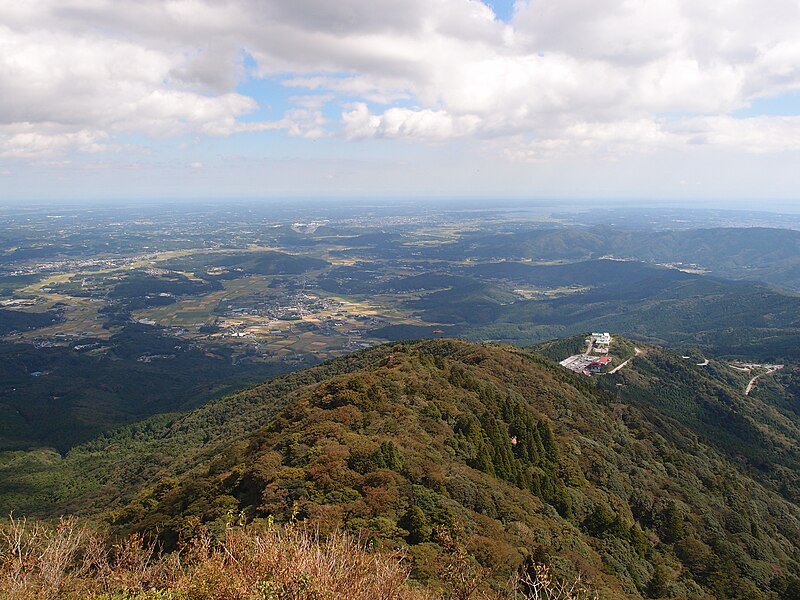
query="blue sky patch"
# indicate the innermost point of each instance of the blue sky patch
(784, 105)
(504, 9)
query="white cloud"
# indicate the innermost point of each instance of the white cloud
(68, 87)
(30, 142)
(609, 140)
(406, 123)
(574, 76)
(757, 134)
(380, 91)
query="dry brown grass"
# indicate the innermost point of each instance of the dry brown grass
(73, 562)
(539, 584)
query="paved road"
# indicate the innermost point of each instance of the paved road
(754, 379)
(617, 368)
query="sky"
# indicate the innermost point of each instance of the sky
(567, 99)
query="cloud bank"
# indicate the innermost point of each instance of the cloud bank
(562, 77)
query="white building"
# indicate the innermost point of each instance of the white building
(602, 339)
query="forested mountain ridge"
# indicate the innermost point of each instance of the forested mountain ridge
(762, 254)
(657, 304)
(497, 446)
(748, 412)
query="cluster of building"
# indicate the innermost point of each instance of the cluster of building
(589, 363)
(88, 264)
(600, 342)
(586, 363)
(293, 307)
(596, 366)
(743, 366)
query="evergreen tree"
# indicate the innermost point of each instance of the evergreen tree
(672, 524)
(659, 582)
(417, 525)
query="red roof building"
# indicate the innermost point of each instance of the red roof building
(597, 365)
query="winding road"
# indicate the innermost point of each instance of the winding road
(754, 379)
(617, 368)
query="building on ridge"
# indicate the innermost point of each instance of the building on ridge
(597, 365)
(601, 339)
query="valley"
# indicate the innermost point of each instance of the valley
(241, 294)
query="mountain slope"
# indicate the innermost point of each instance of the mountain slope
(660, 305)
(769, 255)
(509, 453)
(16, 320)
(755, 431)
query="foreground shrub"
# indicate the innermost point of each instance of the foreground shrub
(72, 561)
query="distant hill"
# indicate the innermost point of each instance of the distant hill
(467, 301)
(665, 307)
(17, 320)
(262, 262)
(767, 255)
(370, 278)
(759, 253)
(411, 444)
(651, 303)
(630, 276)
(755, 253)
